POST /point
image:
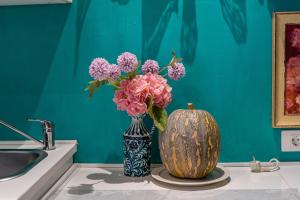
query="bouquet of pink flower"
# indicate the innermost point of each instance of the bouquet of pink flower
(138, 92)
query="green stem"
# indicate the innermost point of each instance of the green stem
(114, 84)
(162, 69)
(173, 60)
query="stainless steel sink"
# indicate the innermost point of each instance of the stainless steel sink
(16, 162)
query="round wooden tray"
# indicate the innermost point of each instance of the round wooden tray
(218, 175)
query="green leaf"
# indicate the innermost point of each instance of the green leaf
(123, 77)
(173, 53)
(159, 116)
(116, 85)
(179, 60)
(175, 59)
(131, 75)
(93, 86)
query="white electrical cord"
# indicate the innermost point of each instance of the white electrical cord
(271, 166)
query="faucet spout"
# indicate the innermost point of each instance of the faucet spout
(20, 132)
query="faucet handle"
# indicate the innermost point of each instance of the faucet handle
(45, 123)
(33, 120)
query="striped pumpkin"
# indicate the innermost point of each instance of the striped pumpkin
(190, 146)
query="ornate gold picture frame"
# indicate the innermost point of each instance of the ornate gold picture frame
(286, 70)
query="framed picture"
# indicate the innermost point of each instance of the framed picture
(286, 70)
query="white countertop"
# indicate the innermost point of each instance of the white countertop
(109, 183)
(18, 188)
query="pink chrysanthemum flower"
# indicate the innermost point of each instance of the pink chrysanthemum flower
(127, 62)
(177, 71)
(114, 72)
(99, 69)
(150, 66)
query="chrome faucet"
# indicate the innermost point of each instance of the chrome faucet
(48, 142)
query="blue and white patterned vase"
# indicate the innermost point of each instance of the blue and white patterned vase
(137, 148)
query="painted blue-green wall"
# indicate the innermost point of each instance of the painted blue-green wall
(45, 52)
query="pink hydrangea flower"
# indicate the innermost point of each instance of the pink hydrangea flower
(99, 69)
(159, 89)
(127, 62)
(295, 38)
(134, 94)
(176, 71)
(150, 66)
(114, 72)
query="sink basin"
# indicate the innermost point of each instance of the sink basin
(16, 162)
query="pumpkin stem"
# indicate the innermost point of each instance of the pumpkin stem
(191, 106)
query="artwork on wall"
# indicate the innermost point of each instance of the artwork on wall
(286, 70)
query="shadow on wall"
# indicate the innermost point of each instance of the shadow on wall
(277, 6)
(234, 13)
(82, 8)
(189, 31)
(121, 2)
(26, 31)
(156, 16)
(261, 2)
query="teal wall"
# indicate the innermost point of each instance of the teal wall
(45, 52)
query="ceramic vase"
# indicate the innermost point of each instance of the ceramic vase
(137, 148)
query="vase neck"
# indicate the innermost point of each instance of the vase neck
(137, 119)
(137, 128)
